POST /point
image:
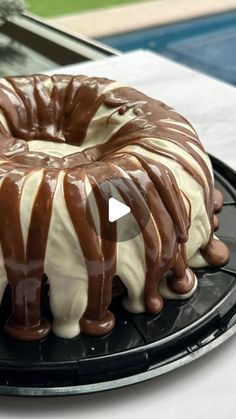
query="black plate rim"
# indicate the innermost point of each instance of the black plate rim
(230, 175)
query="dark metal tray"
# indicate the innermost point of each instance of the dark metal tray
(141, 346)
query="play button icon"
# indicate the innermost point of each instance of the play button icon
(117, 210)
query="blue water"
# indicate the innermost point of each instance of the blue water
(207, 44)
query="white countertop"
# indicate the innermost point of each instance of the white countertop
(204, 389)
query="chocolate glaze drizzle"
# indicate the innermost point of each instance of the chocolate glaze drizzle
(60, 109)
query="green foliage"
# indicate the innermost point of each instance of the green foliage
(10, 8)
(59, 7)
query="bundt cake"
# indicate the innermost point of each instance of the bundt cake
(65, 137)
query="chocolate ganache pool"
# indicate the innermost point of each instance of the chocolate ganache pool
(63, 138)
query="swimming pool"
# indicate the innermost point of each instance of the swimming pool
(207, 44)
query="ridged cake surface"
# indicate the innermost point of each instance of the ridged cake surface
(64, 138)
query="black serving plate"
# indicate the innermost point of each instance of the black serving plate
(141, 346)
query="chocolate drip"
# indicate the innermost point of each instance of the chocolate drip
(216, 253)
(151, 124)
(87, 99)
(100, 257)
(187, 166)
(80, 97)
(11, 237)
(160, 253)
(170, 194)
(218, 200)
(25, 269)
(60, 109)
(62, 116)
(38, 234)
(158, 257)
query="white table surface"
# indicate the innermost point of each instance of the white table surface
(204, 389)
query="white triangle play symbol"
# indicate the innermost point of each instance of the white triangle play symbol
(116, 210)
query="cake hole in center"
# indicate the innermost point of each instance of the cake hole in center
(44, 153)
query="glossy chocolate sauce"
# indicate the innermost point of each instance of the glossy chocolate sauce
(60, 109)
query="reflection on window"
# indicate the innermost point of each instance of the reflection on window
(16, 59)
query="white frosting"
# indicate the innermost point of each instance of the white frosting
(200, 229)
(65, 268)
(2, 117)
(178, 124)
(3, 121)
(64, 262)
(131, 268)
(131, 264)
(204, 156)
(53, 148)
(29, 192)
(174, 148)
(165, 291)
(93, 205)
